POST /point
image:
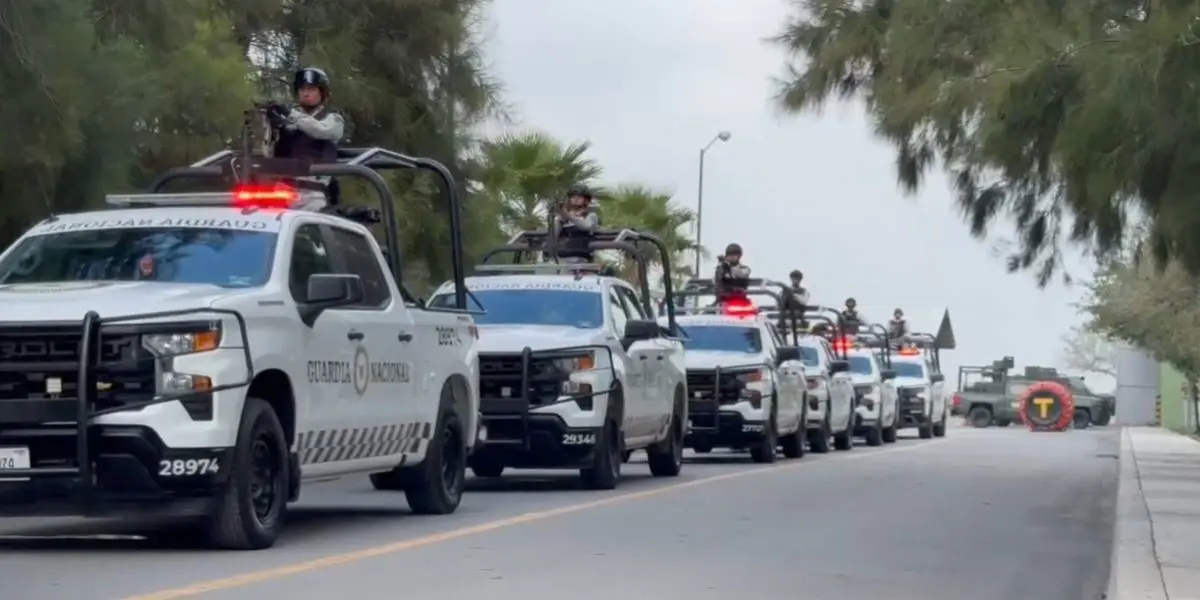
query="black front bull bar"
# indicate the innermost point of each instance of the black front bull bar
(712, 406)
(91, 328)
(519, 408)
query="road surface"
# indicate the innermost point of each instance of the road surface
(980, 515)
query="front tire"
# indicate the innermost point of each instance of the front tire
(874, 435)
(794, 444)
(251, 509)
(764, 452)
(889, 432)
(666, 457)
(979, 417)
(605, 470)
(844, 440)
(819, 442)
(435, 486)
(939, 429)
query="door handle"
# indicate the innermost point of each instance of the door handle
(404, 337)
(642, 357)
(354, 335)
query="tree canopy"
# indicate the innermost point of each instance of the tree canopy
(101, 95)
(1072, 117)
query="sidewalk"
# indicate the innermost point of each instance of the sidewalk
(1156, 545)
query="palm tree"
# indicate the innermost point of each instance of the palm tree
(523, 173)
(640, 207)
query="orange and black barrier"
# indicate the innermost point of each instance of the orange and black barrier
(1046, 406)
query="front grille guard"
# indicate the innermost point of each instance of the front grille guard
(89, 336)
(529, 355)
(713, 404)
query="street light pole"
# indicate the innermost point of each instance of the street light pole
(720, 137)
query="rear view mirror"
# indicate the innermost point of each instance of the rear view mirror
(638, 330)
(786, 353)
(329, 290)
(937, 378)
(838, 366)
(887, 375)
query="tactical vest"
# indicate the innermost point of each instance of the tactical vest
(294, 143)
(573, 242)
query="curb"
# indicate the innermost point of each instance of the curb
(1135, 573)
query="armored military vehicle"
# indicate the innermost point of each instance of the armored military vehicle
(989, 395)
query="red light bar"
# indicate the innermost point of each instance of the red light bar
(909, 351)
(739, 307)
(842, 345)
(261, 196)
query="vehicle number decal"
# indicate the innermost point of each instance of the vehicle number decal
(192, 466)
(448, 336)
(578, 439)
(752, 428)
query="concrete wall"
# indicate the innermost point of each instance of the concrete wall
(1138, 379)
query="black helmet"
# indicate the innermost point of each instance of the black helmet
(311, 76)
(734, 249)
(579, 189)
(850, 302)
(796, 274)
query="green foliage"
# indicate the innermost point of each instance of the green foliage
(1151, 306)
(103, 95)
(1061, 115)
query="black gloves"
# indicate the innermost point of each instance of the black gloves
(277, 114)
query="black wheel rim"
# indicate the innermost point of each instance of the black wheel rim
(451, 455)
(264, 477)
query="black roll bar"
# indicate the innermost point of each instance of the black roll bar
(822, 314)
(524, 244)
(363, 163)
(877, 337)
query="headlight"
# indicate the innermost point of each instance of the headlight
(583, 362)
(164, 345)
(752, 376)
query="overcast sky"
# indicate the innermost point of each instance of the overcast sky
(650, 82)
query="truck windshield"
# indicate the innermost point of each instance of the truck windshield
(809, 356)
(557, 308)
(723, 339)
(861, 365)
(908, 369)
(224, 257)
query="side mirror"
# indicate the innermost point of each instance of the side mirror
(887, 375)
(786, 353)
(937, 378)
(838, 366)
(639, 330)
(329, 290)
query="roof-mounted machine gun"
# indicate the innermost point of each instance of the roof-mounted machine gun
(525, 247)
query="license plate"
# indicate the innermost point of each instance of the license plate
(13, 458)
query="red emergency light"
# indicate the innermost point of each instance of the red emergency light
(908, 351)
(738, 306)
(842, 345)
(264, 196)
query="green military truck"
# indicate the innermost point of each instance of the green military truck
(990, 395)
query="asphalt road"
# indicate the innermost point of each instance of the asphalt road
(979, 515)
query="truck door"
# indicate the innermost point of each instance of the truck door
(388, 389)
(328, 355)
(637, 357)
(660, 386)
